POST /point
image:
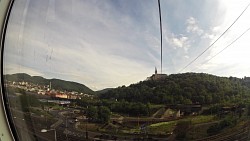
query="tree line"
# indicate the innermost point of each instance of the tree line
(184, 88)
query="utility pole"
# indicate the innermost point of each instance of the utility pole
(159, 4)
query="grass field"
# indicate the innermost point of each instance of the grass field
(201, 119)
(168, 127)
(162, 128)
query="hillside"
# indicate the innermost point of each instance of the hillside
(56, 83)
(103, 91)
(186, 88)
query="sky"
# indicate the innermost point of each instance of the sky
(110, 43)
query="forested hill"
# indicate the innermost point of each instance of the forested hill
(56, 83)
(184, 88)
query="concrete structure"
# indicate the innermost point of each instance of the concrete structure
(157, 76)
(187, 109)
(60, 102)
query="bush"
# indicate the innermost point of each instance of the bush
(224, 123)
(220, 126)
(182, 128)
(212, 130)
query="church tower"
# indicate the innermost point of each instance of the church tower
(157, 76)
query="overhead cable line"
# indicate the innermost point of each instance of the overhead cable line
(216, 39)
(159, 5)
(226, 46)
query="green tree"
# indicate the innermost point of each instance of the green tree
(103, 114)
(92, 113)
(248, 109)
(187, 101)
(209, 99)
(28, 101)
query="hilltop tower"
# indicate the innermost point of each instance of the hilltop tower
(157, 76)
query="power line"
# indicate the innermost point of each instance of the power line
(226, 46)
(216, 39)
(159, 5)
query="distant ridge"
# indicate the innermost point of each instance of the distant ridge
(185, 88)
(103, 90)
(57, 84)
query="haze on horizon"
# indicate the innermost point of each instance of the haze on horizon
(109, 43)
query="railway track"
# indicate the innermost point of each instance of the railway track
(234, 135)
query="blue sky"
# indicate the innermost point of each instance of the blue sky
(109, 43)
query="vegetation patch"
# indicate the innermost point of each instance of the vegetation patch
(162, 128)
(227, 122)
(202, 119)
(88, 126)
(40, 112)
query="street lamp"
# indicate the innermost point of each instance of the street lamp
(45, 130)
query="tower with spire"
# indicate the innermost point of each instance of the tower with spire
(157, 76)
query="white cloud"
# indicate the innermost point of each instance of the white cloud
(181, 42)
(208, 36)
(97, 49)
(233, 60)
(117, 43)
(216, 29)
(192, 26)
